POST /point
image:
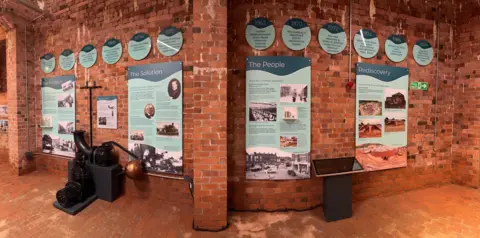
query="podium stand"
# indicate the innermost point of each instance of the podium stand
(337, 185)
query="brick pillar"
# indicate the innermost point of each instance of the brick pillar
(17, 56)
(210, 118)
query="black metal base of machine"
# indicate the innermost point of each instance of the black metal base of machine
(108, 180)
(337, 197)
(77, 207)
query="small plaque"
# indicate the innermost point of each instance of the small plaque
(260, 33)
(112, 51)
(332, 38)
(88, 56)
(296, 34)
(47, 63)
(67, 60)
(366, 43)
(139, 46)
(338, 166)
(423, 52)
(170, 41)
(396, 48)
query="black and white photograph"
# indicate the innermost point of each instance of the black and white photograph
(174, 88)
(3, 125)
(66, 127)
(156, 160)
(266, 163)
(3, 110)
(169, 129)
(137, 135)
(65, 100)
(262, 111)
(149, 111)
(67, 85)
(102, 121)
(293, 93)
(53, 144)
(395, 98)
(290, 113)
(47, 121)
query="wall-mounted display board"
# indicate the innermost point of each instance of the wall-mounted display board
(3, 110)
(67, 60)
(381, 116)
(366, 43)
(139, 46)
(88, 56)
(278, 117)
(58, 115)
(107, 112)
(423, 52)
(155, 132)
(47, 63)
(332, 38)
(112, 51)
(396, 48)
(296, 34)
(170, 41)
(260, 33)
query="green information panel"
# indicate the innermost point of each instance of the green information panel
(139, 46)
(396, 48)
(170, 41)
(381, 116)
(47, 63)
(112, 51)
(155, 132)
(277, 114)
(366, 43)
(58, 115)
(260, 33)
(88, 56)
(423, 52)
(332, 38)
(67, 60)
(296, 34)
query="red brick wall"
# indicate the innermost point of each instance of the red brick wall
(467, 106)
(333, 107)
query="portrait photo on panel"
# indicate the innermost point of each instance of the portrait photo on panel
(174, 88)
(149, 111)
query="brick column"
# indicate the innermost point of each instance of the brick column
(210, 118)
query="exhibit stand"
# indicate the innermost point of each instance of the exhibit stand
(337, 185)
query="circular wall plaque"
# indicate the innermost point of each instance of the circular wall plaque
(66, 60)
(170, 41)
(112, 51)
(366, 43)
(423, 52)
(88, 56)
(47, 63)
(396, 48)
(260, 33)
(139, 46)
(296, 34)
(332, 38)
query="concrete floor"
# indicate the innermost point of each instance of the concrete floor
(26, 211)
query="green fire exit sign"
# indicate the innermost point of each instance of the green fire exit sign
(419, 86)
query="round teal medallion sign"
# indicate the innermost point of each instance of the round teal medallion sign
(260, 33)
(88, 56)
(47, 63)
(396, 48)
(112, 51)
(332, 38)
(170, 41)
(366, 43)
(423, 52)
(296, 34)
(66, 60)
(139, 46)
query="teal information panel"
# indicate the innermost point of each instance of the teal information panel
(155, 116)
(58, 115)
(260, 33)
(278, 117)
(47, 63)
(88, 56)
(170, 41)
(332, 38)
(423, 52)
(296, 34)
(366, 43)
(381, 117)
(67, 60)
(112, 51)
(139, 46)
(396, 48)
